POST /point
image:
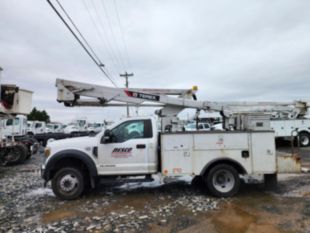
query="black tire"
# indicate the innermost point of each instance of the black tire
(304, 139)
(271, 181)
(223, 181)
(24, 152)
(12, 156)
(68, 183)
(15, 155)
(92, 133)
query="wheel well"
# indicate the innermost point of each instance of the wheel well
(304, 131)
(69, 162)
(240, 169)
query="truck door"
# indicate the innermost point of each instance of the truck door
(131, 149)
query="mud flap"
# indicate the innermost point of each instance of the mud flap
(270, 181)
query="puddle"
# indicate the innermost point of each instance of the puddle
(41, 192)
(233, 219)
(58, 215)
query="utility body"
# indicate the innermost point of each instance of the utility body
(134, 147)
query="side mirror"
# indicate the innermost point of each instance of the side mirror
(106, 136)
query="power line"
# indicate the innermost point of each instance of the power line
(101, 36)
(122, 33)
(99, 65)
(112, 32)
(76, 28)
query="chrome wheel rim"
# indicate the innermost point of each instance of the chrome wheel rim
(223, 180)
(68, 183)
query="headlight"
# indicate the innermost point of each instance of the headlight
(47, 151)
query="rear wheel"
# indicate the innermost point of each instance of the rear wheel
(223, 181)
(304, 139)
(15, 154)
(68, 183)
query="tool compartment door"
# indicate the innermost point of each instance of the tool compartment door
(264, 152)
(176, 154)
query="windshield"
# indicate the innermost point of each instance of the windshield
(9, 122)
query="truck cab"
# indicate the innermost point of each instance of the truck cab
(129, 147)
(15, 126)
(36, 127)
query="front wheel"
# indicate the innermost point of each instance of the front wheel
(68, 183)
(223, 181)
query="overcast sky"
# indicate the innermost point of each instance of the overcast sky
(233, 50)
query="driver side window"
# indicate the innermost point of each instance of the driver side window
(131, 130)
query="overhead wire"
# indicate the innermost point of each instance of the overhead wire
(112, 32)
(122, 34)
(76, 28)
(105, 40)
(89, 52)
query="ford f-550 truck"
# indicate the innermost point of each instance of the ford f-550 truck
(219, 157)
(134, 147)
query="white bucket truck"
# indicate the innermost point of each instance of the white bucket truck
(14, 148)
(133, 147)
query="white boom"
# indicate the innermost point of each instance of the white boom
(70, 93)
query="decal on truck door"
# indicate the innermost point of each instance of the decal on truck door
(124, 152)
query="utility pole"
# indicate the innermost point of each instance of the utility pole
(126, 75)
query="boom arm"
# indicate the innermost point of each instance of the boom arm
(70, 93)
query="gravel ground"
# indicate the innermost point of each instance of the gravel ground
(25, 206)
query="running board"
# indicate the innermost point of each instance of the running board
(113, 180)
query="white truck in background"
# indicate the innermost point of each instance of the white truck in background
(133, 147)
(54, 128)
(193, 126)
(95, 127)
(285, 127)
(36, 127)
(15, 147)
(76, 126)
(54, 131)
(15, 126)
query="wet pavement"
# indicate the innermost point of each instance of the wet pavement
(25, 206)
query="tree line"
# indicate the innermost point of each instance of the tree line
(37, 115)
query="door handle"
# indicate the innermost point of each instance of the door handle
(140, 146)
